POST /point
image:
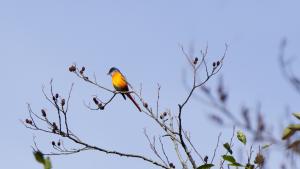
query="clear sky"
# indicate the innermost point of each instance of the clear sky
(40, 39)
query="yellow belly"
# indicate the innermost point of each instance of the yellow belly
(119, 82)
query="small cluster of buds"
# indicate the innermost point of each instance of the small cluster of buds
(82, 70)
(55, 97)
(28, 121)
(172, 165)
(163, 115)
(195, 60)
(72, 68)
(53, 143)
(216, 64)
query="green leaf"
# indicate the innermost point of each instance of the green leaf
(249, 166)
(287, 133)
(242, 137)
(235, 164)
(205, 166)
(266, 146)
(39, 157)
(47, 164)
(227, 147)
(294, 127)
(297, 115)
(229, 158)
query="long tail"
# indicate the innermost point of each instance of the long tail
(130, 97)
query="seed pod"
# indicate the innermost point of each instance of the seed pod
(58, 143)
(83, 69)
(53, 143)
(218, 63)
(56, 95)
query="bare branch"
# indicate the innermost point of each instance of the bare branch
(196, 85)
(213, 157)
(153, 147)
(178, 136)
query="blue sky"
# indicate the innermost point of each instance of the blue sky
(40, 39)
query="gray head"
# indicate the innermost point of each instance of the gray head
(111, 70)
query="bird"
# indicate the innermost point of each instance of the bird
(120, 84)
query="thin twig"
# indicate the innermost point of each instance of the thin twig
(213, 157)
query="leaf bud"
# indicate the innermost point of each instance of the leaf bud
(101, 107)
(43, 113)
(214, 64)
(145, 105)
(63, 102)
(28, 121)
(165, 114)
(95, 101)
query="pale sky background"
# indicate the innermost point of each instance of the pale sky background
(40, 39)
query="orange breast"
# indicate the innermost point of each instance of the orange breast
(119, 82)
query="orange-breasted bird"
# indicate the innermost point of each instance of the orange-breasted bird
(120, 84)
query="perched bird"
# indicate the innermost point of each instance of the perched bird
(120, 84)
